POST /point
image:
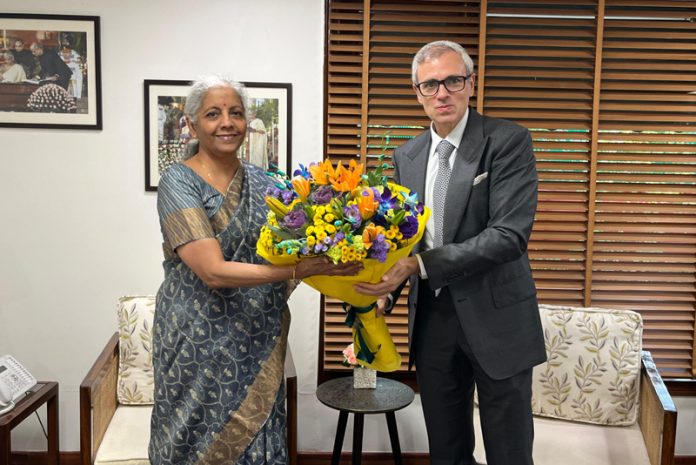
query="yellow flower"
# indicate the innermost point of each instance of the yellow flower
(276, 206)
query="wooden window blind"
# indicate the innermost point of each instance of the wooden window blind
(608, 90)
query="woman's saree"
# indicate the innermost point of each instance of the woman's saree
(218, 353)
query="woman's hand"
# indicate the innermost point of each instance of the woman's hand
(323, 265)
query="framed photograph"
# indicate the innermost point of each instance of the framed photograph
(50, 74)
(269, 126)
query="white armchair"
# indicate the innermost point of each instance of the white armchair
(598, 400)
(116, 396)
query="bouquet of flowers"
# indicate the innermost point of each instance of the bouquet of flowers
(51, 98)
(346, 215)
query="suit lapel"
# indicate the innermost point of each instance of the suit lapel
(462, 178)
(412, 174)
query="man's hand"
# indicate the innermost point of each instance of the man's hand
(391, 280)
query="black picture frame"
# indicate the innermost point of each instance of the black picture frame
(61, 89)
(166, 138)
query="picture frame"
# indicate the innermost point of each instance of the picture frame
(50, 68)
(166, 136)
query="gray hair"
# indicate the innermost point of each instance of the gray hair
(195, 97)
(436, 49)
(9, 57)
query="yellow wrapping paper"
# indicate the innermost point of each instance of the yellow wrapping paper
(373, 330)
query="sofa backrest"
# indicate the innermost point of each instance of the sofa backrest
(135, 375)
(135, 383)
(592, 374)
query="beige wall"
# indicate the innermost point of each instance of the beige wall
(78, 229)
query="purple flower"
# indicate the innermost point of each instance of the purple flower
(379, 248)
(351, 214)
(322, 195)
(295, 219)
(409, 227)
(273, 191)
(287, 197)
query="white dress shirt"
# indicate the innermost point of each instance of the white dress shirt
(454, 138)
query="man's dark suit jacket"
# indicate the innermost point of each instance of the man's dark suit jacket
(489, 211)
(52, 64)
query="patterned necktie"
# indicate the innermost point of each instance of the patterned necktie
(444, 150)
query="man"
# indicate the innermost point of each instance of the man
(473, 313)
(23, 57)
(53, 68)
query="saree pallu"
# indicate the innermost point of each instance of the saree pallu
(218, 353)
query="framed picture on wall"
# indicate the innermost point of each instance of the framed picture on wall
(267, 142)
(50, 73)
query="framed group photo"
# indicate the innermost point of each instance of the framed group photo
(267, 143)
(50, 73)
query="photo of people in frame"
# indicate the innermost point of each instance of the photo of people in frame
(44, 71)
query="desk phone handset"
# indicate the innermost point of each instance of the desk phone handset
(15, 381)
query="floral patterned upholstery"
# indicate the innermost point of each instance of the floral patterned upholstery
(593, 370)
(135, 376)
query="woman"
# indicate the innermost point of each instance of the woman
(14, 72)
(221, 319)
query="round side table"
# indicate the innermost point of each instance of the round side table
(388, 397)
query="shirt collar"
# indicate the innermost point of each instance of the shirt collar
(454, 137)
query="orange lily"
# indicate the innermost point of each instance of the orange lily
(322, 172)
(365, 200)
(301, 186)
(370, 233)
(349, 178)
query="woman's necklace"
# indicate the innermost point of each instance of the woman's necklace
(205, 168)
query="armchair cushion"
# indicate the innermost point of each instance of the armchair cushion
(135, 375)
(592, 374)
(127, 438)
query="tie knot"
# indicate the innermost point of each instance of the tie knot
(444, 150)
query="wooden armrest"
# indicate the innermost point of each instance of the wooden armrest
(658, 415)
(98, 400)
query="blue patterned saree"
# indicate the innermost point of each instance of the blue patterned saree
(218, 353)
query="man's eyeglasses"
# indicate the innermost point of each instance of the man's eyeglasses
(451, 83)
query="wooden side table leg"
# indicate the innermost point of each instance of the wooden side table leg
(358, 422)
(5, 445)
(52, 420)
(340, 433)
(394, 437)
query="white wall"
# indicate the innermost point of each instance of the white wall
(78, 230)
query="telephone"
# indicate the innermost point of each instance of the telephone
(15, 381)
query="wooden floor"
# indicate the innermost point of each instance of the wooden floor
(304, 458)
